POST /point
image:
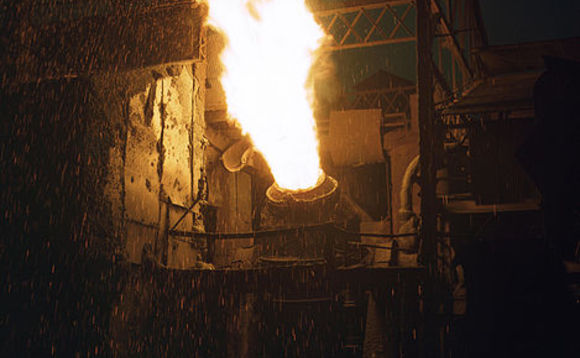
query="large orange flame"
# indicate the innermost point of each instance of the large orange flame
(271, 46)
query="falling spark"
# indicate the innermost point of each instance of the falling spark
(271, 46)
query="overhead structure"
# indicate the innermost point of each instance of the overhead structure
(359, 24)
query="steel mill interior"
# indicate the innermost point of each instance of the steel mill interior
(290, 178)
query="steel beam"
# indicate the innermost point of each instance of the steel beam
(350, 14)
(429, 144)
(329, 7)
(453, 44)
(370, 44)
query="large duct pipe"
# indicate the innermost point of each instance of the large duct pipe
(406, 210)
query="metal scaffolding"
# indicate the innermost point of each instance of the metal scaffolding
(367, 24)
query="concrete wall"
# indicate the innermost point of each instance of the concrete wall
(156, 163)
(163, 157)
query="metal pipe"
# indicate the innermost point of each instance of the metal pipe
(406, 208)
(274, 232)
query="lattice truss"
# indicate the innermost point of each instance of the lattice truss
(390, 100)
(369, 25)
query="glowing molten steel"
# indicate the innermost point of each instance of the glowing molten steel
(271, 47)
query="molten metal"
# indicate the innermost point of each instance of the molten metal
(324, 188)
(271, 47)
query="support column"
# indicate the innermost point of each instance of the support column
(427, 150)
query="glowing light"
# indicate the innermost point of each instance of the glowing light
(271, 46)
